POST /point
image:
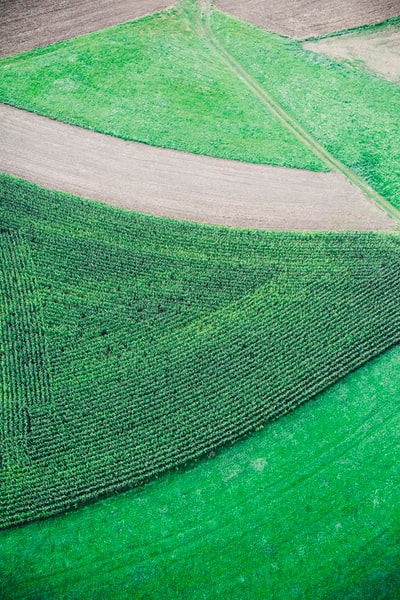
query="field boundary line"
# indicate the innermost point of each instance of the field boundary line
(289, 122)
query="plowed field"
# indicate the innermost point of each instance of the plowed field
(32, 23)
(175, 184)
(306, 18)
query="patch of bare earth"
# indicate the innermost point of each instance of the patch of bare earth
(307, 18)
(175, 184)
(379, 51)
(27, 24)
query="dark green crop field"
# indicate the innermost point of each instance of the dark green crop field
(132, 344)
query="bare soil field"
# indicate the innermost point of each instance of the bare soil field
(379, 51)
(184, 186)
(27, 24)
(307, 18)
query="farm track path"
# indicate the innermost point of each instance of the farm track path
(179, 185)
(286, 119)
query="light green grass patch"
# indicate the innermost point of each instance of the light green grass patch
(153, 80)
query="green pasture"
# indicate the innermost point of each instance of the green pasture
(153, 80)
(158, 80)
(306, 508)
(133, 344)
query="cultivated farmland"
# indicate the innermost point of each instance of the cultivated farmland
(149, 367)
(184, 91)
(376, 48)
(357, 119)
(134, 344)
(34, 23)
(154, 80)
(323, 477)
(307, 18)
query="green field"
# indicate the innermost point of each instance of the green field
(306, 508)
(132, 344)
(156, 81)
(159, 80)
(188, 411)
(353, 115)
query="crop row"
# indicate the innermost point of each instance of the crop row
(116, 370)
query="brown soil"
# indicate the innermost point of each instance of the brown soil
(184, 186)
(307, 18)
(379, 51)
(27, 24)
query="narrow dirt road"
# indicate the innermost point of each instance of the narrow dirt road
(174, 184)
(27, 24)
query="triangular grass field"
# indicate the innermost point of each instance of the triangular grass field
(154, 80)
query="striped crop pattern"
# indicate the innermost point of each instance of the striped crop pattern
(132, 344)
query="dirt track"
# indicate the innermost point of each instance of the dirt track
(175, 184)
(306, 18)
(26, 24)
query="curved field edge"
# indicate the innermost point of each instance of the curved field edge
(372, 28)
(169, 87)
(133, 344)
(56, 22)
(299, 18)
(156, 81)
(305, 508)
(179, 185)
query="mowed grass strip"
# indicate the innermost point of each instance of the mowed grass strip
(162, 340)
(154, 80)
(305, 508)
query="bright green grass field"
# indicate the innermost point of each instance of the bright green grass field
(306, 509)
(156, 81)
(132, 344)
